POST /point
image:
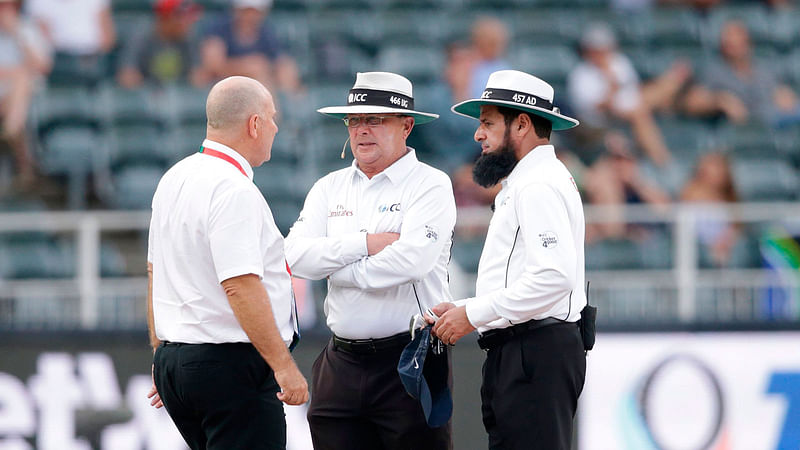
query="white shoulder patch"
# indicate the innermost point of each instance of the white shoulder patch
(549, 239)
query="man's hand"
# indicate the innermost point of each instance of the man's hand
(453, 324)
(153, 394)
(439, 310)
(294, 389)
(378, 241)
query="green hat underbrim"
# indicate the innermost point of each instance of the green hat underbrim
(472, 108)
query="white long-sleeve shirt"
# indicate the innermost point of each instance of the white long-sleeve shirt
(375, 296)
(532, 265)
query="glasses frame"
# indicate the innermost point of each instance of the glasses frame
(348, 121)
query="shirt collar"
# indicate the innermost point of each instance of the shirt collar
(398, 170)
(208, 143)
(534, 157)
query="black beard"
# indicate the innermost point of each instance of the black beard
(490, 168)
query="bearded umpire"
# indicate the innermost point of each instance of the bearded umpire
(529, 291)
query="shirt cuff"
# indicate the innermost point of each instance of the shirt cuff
(461, 302)
(480, 311)
(354, 245)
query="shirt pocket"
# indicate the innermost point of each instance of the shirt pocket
(388, 218)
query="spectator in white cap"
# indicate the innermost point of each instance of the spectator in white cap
(529, 292)
(243, 43)
(380, 232)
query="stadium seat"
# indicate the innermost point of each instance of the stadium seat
(761, 179)
(184, 140)
(616, 254)
(687, 139)
(77, 71)
(337, 60)
(186, 104)
(412, 27)
(124, 107)
(40, 258)
(417, 63)
(134, 185)
(551, 63)
(55, 107)
(467, 252)
(138, 143)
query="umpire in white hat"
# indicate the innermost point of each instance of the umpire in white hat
(529, 291)
(380, 231)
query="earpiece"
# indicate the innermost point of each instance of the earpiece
(345, 146)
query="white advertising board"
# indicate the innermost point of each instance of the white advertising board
(717, 391)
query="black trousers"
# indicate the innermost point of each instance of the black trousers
(358, 402)
(530, 389)
(220, 396)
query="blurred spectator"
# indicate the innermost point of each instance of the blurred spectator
(164, 53)
(753, 84)
(243, 44)
(614, 180)
(605, 87)
(78, 29)
(489, 43)
(449, 140)
(712, 182)
(461, 61)
(24, 59)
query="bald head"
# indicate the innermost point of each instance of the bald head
(233, 100)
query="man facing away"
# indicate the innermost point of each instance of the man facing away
(220, 305)
(380, 231)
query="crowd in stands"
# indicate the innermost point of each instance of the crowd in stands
(672, 95)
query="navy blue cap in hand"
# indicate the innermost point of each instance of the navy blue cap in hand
(429, 384)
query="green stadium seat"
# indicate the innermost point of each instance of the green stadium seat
(467, 252)
(551, 63)
(763, 179)
(186, 104)
(55, 107)
(124, 107)
(134, 185)
(413, 27)
(420, 64)
(616, 254)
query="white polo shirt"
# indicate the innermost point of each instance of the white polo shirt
(532, 265)
(211, 223)
(376, 296)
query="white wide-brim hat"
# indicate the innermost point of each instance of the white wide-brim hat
(518, 90)
(380, 92)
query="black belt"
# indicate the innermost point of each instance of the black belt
(370, 346)
(493, 338)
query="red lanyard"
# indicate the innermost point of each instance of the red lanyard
(222, 156)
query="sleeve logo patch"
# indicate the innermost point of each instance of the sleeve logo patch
(431, 233)
(549, 239)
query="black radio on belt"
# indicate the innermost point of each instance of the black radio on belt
(587, 323)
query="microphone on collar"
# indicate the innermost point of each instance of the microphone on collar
(344, 146)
